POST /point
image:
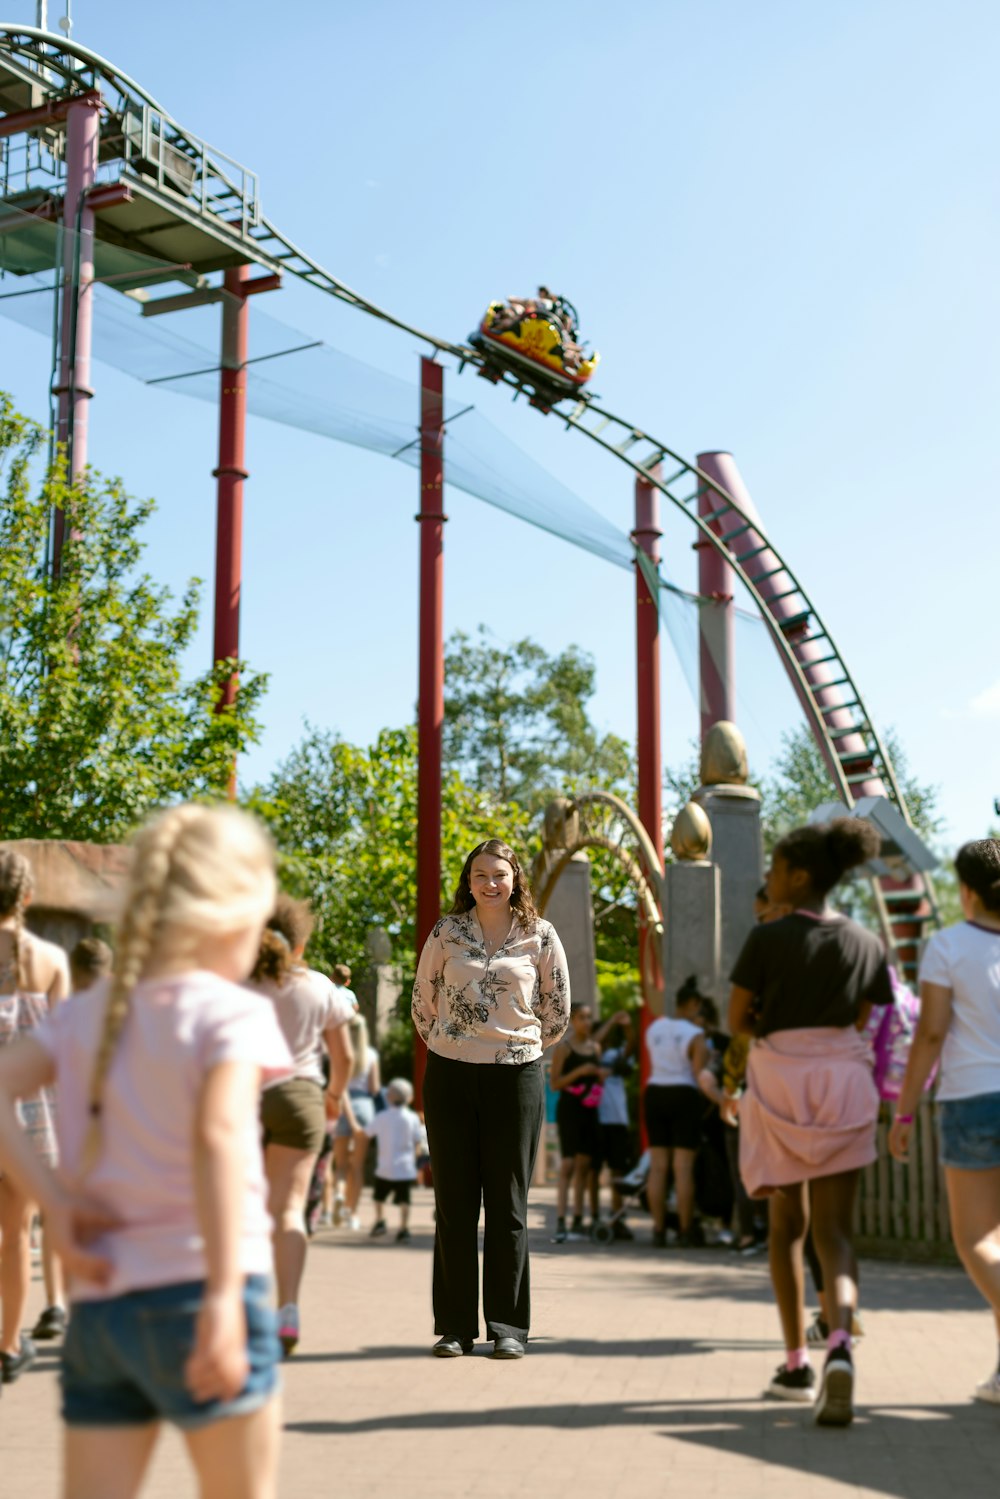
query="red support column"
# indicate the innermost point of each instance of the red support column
(230, 475)
(83, 117)
(430, 709)
(647, 632)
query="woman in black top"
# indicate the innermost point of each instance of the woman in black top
(804, 986)
(578, 1078)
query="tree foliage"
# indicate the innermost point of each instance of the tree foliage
(516, 722)
(97, 724)
(345, 820)
(800, 782)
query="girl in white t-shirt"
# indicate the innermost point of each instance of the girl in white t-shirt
(677, 1052)
(168, 1252)
(960, 1023)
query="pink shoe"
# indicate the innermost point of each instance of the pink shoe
(288, 1328)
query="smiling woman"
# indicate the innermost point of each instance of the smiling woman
(491, 993)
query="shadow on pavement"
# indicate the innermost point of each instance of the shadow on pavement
(901, 1452)
(573, 1347)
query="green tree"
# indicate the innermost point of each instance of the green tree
(517, 729)
(800, 781)
(97, 724)
(517, 726)
(345, 820)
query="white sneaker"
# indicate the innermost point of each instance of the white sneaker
(989, 1389)
(835, 1403)
(355, 1223)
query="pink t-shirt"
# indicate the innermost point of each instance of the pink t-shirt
(177, 1030)
(306, 1005)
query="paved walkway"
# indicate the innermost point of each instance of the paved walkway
(643, 1379)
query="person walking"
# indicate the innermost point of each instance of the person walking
(960, 1024)
(678, 1053)
(34, 978)
(311, 1013)
(351, 1133)
(158, 1072)
(613, 1119)
(491, 993)
(399, 1138)
(804, 986)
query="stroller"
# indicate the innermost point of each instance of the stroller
(632, 1190)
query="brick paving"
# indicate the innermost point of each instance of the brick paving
(643, 1378)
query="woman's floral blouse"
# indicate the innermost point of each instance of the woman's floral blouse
(506, 1008)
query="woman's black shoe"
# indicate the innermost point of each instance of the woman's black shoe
(508, 1348)
(452, 1347)
(13, 1365)
(51, 1324)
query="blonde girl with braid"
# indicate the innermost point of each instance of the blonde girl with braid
(159, 1203)
(34, 976)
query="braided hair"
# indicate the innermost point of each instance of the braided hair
(17, 884)
(195, 870)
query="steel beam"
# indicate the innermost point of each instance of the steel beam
(73, 388)
(646, 536)
(430, 703)
(230, 476)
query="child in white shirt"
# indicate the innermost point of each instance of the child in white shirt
(400, 1137)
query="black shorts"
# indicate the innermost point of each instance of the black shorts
(398, 1191)
(579, 1131)
(614, 1149)
(673, 1117)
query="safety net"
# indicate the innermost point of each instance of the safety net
(305, 382)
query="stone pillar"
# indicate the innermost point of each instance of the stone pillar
(381, 987)
(733, 810)
(691, 930)
(572, 914)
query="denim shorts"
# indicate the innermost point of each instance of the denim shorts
(970, 1132)
(123, 1358)
(364, 1112)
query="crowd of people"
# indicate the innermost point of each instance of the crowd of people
(183, 1109)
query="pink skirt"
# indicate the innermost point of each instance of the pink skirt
(810, 1108)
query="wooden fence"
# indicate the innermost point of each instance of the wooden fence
(902, 1210)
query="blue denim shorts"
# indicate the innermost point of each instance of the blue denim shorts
(970, 1132)
(123, 1358)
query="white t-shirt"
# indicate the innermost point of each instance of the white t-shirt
(306, 1005)
(613, 1107)
(400, 1136)
(966, 959)
(667, 1042)
(178, 1029)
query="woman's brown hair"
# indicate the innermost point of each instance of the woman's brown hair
(521, 902)
(289, 927)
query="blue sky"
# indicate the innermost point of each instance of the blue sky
(779, 223)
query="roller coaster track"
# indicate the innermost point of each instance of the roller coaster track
(225, 194)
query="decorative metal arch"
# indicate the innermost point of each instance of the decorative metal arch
(599, 819)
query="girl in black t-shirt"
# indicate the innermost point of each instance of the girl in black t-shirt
(804, 986)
